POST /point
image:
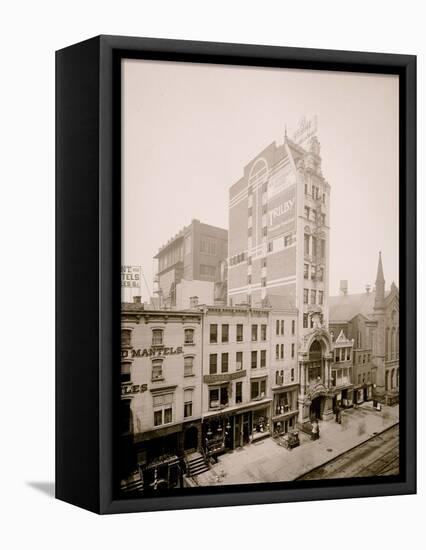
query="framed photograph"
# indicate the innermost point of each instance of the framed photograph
(236, 282)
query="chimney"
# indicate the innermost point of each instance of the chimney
(344, 287)
(137, 299)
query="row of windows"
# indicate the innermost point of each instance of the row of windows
(208, 246)
(279, 327)
(315, 192)
(163, 407)
(317, 273)
(157, 367)
(157, 337)
(239, 333)
(239, 361)
(314, 295)
(363, 358)
(279, 351)
(238, 258)
(220, 397)
(313, 215)
(314, 246)
(342, 354)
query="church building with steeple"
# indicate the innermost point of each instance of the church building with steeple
(371, 319)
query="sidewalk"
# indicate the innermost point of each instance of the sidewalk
(266, 461)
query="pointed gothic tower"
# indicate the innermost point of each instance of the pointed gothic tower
(380, 342)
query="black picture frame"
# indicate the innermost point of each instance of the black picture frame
(88, 268)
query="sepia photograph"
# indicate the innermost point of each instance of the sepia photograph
(260, 276)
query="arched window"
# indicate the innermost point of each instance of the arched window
(157, 337)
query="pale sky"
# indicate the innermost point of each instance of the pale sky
(189, 129)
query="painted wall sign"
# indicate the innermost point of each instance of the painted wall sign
(131, 276)
(132, 389)
(151, 352)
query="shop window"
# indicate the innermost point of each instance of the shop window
(218, 397)
(263, 333)
(125, 372)
(213, 334)
(258, 389)
(157, 369)
(239, 360)
(282, 403)
(189, 336)
(213, 363)
(187, 410)
(163, 409)
(225, 334)
(157, 337)
(238, 392)
(263, 358)
(254, 359)
(225, 362)
(188, 368)
(239, 333)
(254, 333)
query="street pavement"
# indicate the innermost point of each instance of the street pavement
(266, 461)
(377, 456)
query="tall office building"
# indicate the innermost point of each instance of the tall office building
(279, 230)
(279, 252)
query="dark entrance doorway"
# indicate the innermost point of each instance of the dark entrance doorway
(191, 439)
(316, 408)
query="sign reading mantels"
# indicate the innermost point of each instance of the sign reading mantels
(150, 352)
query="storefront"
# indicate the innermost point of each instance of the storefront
(224, 432)
(362, 393)
(284, 411)
(344, 398)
